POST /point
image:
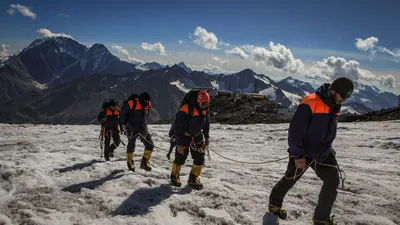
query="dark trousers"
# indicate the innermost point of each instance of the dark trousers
(114, 134)
(198, 158)
(327, 196)
(147, 140)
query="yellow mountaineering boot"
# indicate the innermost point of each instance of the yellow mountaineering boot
(145, 164)
(129, 161)
(175, 180)
(194, 180)
(279, 211)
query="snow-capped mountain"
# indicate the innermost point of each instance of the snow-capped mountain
(97, 59)
(58, 60)
(372, 97)
(295, 86)
(354, 108)
(248, 81)
(46, 58)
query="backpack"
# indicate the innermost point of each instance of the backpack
(184, 101)
(106, 104)
(132, 97)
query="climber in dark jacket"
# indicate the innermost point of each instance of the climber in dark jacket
(311, 133)
(110, 122)
(191, 134)
(134, 117)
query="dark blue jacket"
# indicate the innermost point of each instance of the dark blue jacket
(113, 119)
(134, 115)
(313, 126)
(186, 127)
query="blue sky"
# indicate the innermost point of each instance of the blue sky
(312, 30)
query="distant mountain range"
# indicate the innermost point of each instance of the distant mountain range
(59, 80)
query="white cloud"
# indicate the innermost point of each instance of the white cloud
(209, 68)
(125, 54)
(223, 43)
(387, 81)
(3, 52)
(367, 44)
(395, 52)
(205, 39)
(180, 42)
(43, 32)
(22, 9)
(157, 47)
(221, 61)
(278, 56)
(333, 67)
(371, 45)
(11, 12)
(237, 51)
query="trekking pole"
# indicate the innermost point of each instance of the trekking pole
(171, 147)
(102, 142)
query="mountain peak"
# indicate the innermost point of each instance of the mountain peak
(183, 66)
(98, 45)
(247, 71)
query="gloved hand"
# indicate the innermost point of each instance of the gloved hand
(180, 149)
(201, 147)
(207, 141)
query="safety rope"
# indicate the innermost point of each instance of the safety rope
(144, 138)
(234, 160)
(342, 175)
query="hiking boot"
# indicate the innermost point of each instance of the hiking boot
(112, 154)
(196, 185)
(328, 221)
(129, 161)
(175, 180)
(279, 211)
(107, 158)
(194, 180)
(145, 164)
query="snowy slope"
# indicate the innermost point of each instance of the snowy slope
(52, 175)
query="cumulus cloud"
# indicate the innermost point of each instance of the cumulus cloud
(157, 47)
(125, 54)
(333, 67)
(237, 51)
(221, 61)
(277, 56)
(3, 51)
(43, 32)
(22, 9)
(180, 42)
(209, 68)
(205, 39)
(367, 44)
(387, 81)
(371, 45)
